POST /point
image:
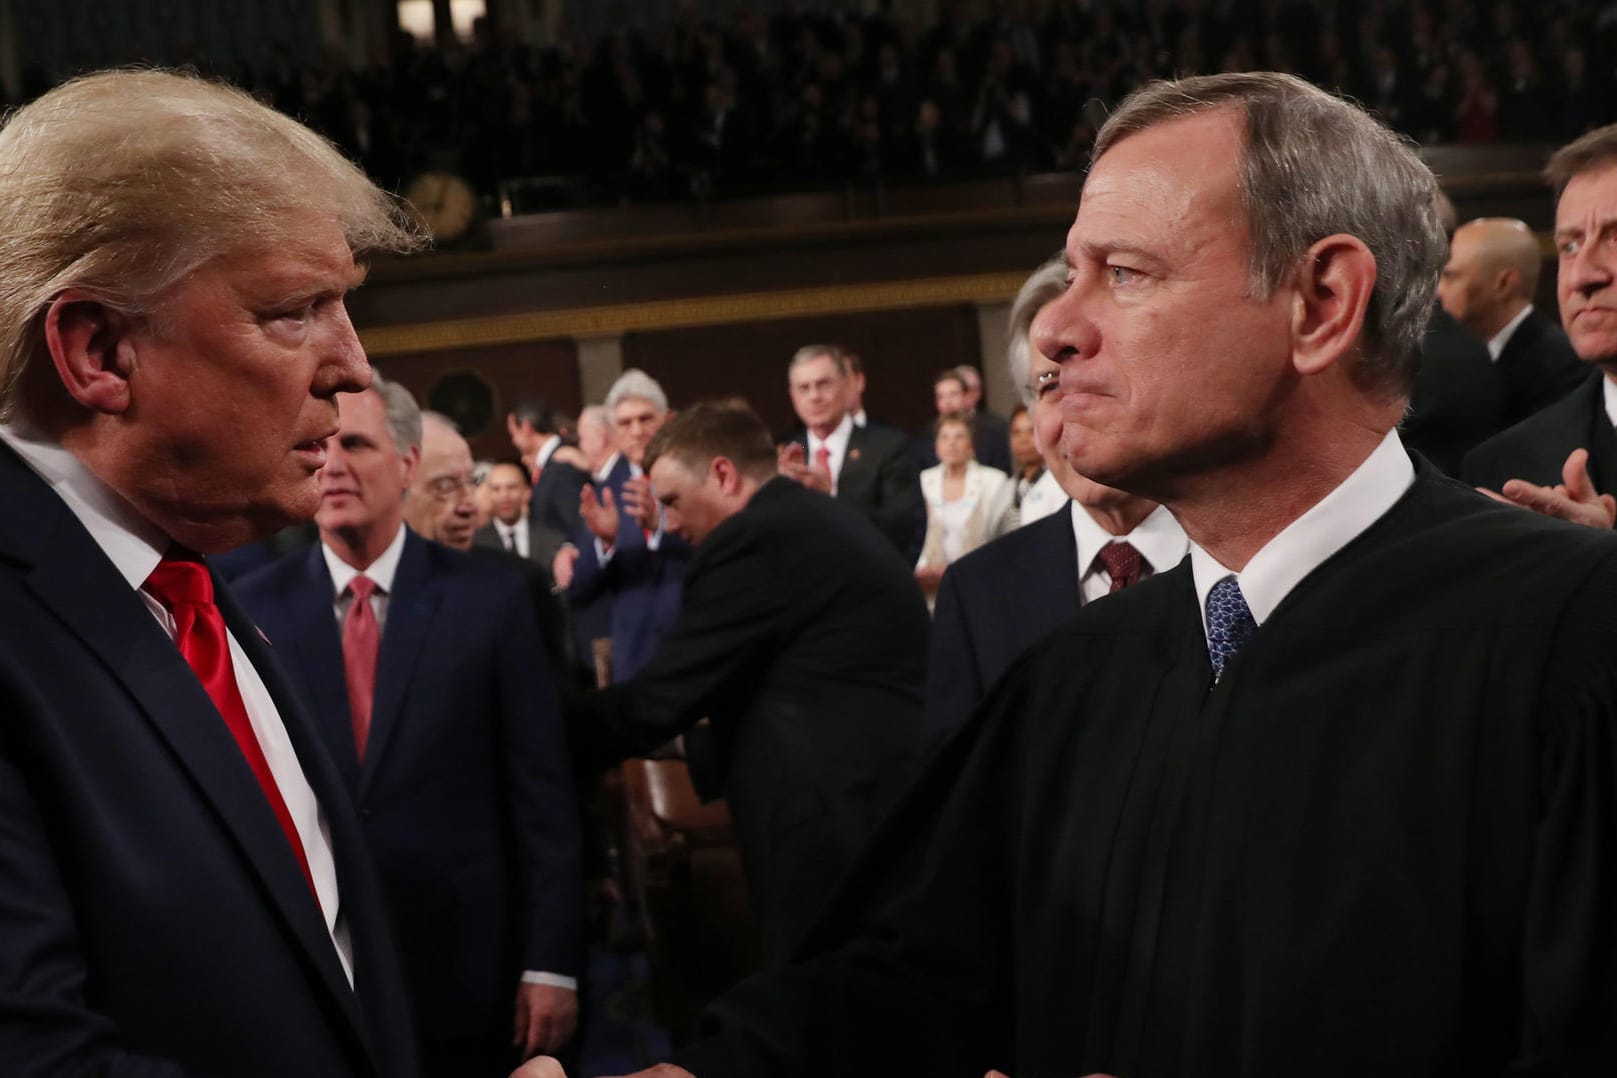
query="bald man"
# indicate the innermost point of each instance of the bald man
(1488, 286)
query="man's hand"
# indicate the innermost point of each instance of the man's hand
(539, 1067)
(791, 460)
(661, 1070)
(561, 568)
(1574, 498)
(600, 514)
(639, 503)
(545, 1017)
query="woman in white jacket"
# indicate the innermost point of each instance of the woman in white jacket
(967, 503)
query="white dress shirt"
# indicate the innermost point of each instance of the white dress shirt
(134, 546)
(382, 571)
(1309, 541)
(1159, 539)
(1609, 389)
(514, 537)
(1043, 498)
(837, 443)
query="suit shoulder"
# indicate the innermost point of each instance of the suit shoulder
(268, 582)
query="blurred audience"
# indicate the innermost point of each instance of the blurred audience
(967, 503)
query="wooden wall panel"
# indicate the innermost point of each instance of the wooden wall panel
(476, 386)
(901, 351)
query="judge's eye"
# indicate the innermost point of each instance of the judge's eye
(1569, 247)
(1121, 275)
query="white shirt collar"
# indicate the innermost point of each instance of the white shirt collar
(134, 544)
(380, 571)
(1307, 542)
(546, 451)
(606, 469)
(836, 442)
(1609, 389)
(1159, 539)
(1497, 342)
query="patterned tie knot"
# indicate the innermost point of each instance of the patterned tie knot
(181, 580)
(1229, 623)
(361, 587)
(1123, 563)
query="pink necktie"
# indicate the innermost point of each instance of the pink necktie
(822, 458)
(182, 584)
(361, 639)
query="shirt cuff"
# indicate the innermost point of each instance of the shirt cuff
(554, 980)
(603, 553)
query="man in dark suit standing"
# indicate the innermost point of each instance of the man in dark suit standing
(1488, 286)
(802, 636)
(999, 600)
(1563, 460)
(628, 569)
(183, 886)
(868, 467)
(511, 526)
(425, 669)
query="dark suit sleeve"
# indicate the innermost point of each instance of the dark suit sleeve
(736, 609)
(544, 811)
(899, 512)
(954, 684)
(47, 1026)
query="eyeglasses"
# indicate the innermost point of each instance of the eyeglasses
(448, 487)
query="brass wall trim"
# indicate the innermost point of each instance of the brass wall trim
(617, 319)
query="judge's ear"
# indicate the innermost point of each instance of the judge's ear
(92, 349)
(1334, 282)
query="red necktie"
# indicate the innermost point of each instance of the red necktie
(1123, 564)
(822, 458)
(361, 638)
(185, 588)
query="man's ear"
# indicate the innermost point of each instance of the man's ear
(1334, 281)
(724, 470)
(93, 351)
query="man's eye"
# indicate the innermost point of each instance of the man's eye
(1569, 248)
(1121, 274)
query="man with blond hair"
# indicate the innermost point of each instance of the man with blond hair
(183, 884)
(1333, 797)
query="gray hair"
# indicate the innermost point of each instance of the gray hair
(1314, 165)
(403, 414)
(638, 384)
(121, 183)
(1046, 283)
(813, 351)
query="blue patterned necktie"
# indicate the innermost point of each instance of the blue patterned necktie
(1229, 623)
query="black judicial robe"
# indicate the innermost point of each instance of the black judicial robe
(1384, 844)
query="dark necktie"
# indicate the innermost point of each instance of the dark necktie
(361, 638)
(1123, 563)
(1229, 623)
(183, 585)
(510, 537)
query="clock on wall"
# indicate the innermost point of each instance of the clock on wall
(445, 202)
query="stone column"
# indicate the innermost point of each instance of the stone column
(1000, 394)
(600, 362)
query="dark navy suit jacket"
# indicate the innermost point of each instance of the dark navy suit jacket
(993, 604)
(465, 791)
(640, 587)
(153, 918)
(1536, 448)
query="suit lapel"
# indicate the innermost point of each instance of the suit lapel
(855, 474)
(74, 579)
(317, 644)
(409, 618)
(1056, 546)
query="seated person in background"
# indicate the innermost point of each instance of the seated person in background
(967, 503)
